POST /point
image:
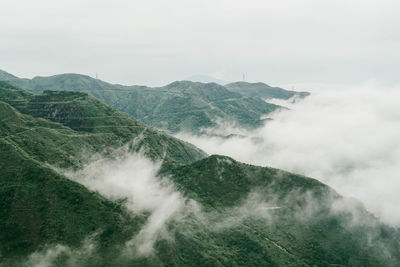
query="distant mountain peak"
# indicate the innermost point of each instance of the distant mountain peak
(255, 83)
(206, 79)
(192, 83)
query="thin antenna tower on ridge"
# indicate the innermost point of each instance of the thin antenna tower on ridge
(244, 77)
(97, 77)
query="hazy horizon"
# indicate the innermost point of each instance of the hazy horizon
(156, 42)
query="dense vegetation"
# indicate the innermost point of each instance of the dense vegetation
(179, 106)
(245, 215)
(99, 125)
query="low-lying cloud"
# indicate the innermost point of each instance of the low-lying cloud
(133, 177)
(345, 136)
(72, 256)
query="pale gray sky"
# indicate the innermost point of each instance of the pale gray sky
(156, 42)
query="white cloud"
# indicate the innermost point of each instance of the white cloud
(72, 256)
(134, 177)
(345, 136)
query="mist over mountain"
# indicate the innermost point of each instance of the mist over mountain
(342, 135)
(84, 184)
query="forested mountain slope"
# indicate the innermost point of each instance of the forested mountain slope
(104, 126)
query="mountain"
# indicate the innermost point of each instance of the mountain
(179, 106)
(301, 226)
(191, 106)
(263, 91)
(40, 206)
(100, 126)
(234, 214)
(205, 79)
(6, 76)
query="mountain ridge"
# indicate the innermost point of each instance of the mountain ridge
(206, 79)
(178, 106)
(6, 76)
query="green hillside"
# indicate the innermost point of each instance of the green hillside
(301, 229)
(263, 91)
(179, 106)
(98, 124)
(245, 215)
(40, 206)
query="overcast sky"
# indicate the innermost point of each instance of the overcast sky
(156, 42)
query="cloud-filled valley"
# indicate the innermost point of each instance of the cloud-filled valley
(344, 135)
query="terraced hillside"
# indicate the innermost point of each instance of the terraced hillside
(101, 124)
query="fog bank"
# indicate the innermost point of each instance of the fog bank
(345, 136)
